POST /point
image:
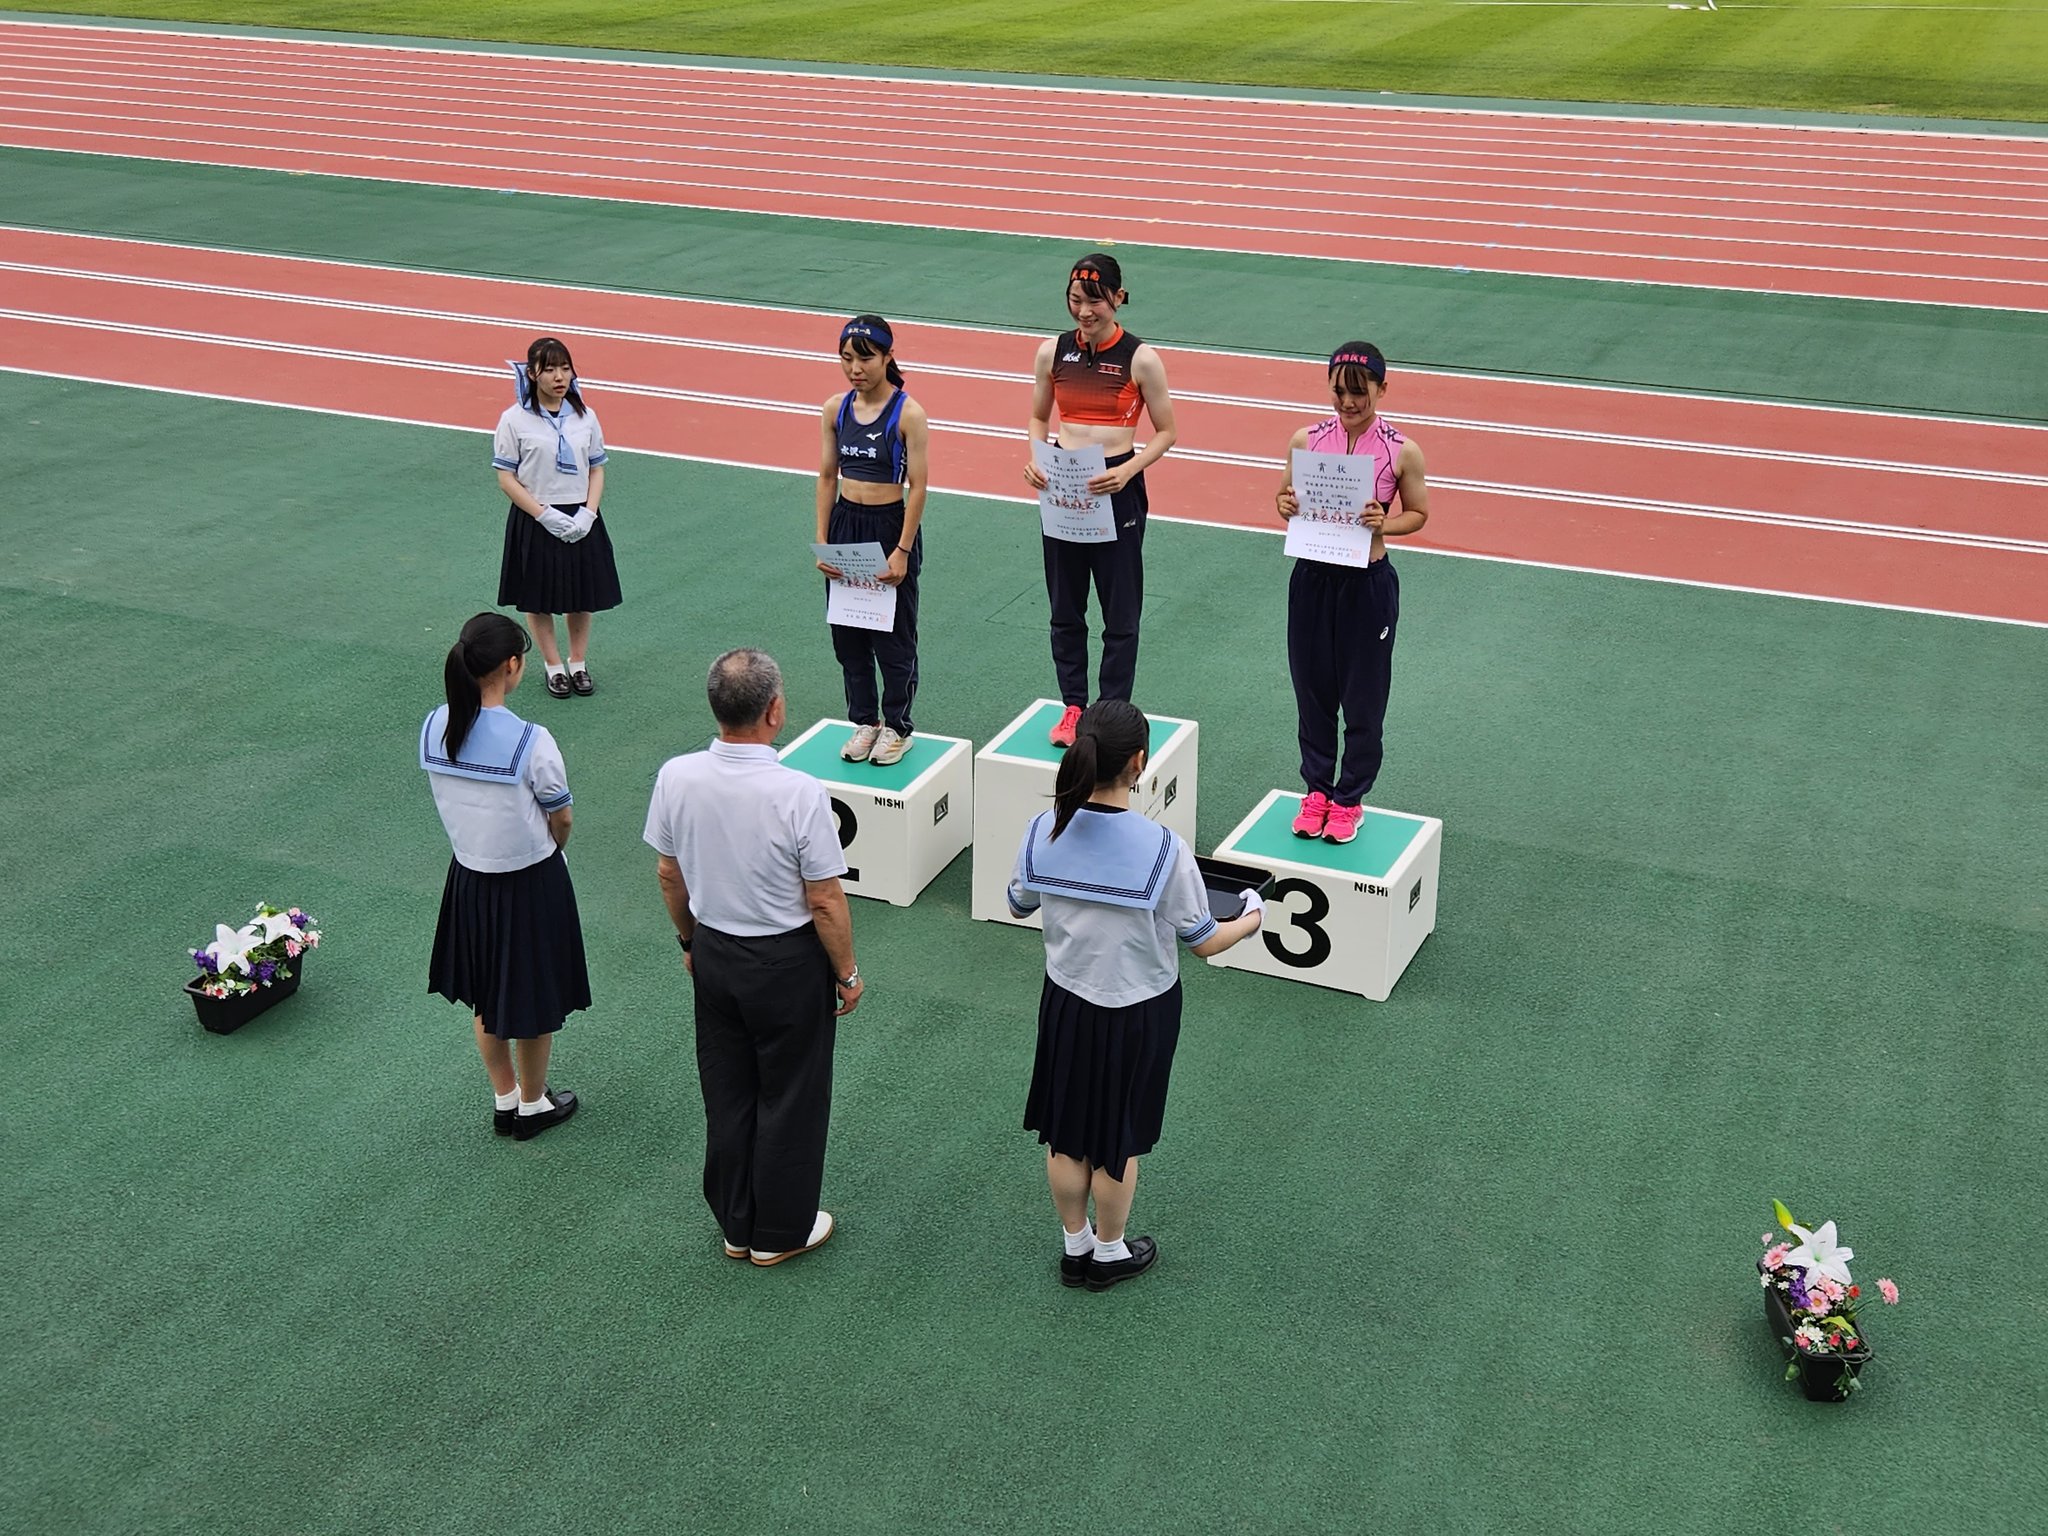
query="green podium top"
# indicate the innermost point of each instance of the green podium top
(1382, 838)
(1027, 737)
(818, 755)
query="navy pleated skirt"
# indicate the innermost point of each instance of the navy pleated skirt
(541, 574)
(510, 947)
(1098, 1085)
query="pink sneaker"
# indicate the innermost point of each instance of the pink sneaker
(1062, 735)
(1343, 823)
(1315, 810)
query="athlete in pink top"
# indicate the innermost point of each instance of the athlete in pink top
(1341, 619)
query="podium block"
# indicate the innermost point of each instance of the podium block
(1013, 780)
(1348, 916)
(899, 825)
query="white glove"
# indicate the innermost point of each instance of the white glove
(1254, 902)
(585, 521)
(561, 525)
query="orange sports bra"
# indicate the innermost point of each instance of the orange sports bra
(1095, 388)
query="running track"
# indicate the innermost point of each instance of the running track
(1902, 511)
(1897, 215)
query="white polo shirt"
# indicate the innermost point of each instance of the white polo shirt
(525, 444)
(747, 832)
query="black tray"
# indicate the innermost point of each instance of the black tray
(1227, 883)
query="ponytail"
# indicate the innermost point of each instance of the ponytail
(1075, 783)
(486, 643)
(1111, 733)
(891, 372)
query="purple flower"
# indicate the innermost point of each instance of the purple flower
(265, 969)
(204, 961)
(299, 919)
(1798, 1293)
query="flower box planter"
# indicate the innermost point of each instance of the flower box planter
(1821, 1371)
(225, 1015)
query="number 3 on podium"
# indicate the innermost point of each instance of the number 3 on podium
(1307, 922)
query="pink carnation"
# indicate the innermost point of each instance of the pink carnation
(1775, 1258)
(291, 948)
(1889, 1291)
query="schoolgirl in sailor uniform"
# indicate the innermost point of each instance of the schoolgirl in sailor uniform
(509, 944)
(1116, 891)
(1341, 620)
(871, 490)
(1099, 377)
(549, 455)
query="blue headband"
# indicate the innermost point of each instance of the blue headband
(866, 330)
(1348, 356)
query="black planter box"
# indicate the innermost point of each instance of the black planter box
(225, 1015)
(1820, 1371)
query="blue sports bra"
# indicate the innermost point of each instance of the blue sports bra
(872, 451)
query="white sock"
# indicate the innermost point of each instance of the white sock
(1081, 1242)
(576, 664)
(556, 669)
(1109, 1253)
(539, 1106)
(509, 1100)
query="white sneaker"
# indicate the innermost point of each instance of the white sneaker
(820, 1230)
(860, 743)
(889, 748)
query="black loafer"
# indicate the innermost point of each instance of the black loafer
(526, 1127)
(501, 1121)
(1144, 1254)
(1074, 1271)
(558, 685)
(580, 681)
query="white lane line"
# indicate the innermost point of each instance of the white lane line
(1081, 225)
(737, 148)
(552, 289)
(1023, 501)
(166, 42)
(813, 355)
(1555, 494)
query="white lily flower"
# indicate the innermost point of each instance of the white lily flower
(275, 927)
(1819, 1253)
(230, 949)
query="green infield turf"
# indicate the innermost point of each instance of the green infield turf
(1969, 58)
(1741, 898)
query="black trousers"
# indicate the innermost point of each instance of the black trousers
(764, 1060)
(1341, 624)
(861, 651)
(1118, 572)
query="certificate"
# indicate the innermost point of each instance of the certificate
(862, 600)
(1333, 489)
(1067, 509)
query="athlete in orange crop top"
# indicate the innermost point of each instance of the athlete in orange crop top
(1099, 377)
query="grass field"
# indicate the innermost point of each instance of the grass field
(1784, 939)
(1972, 58)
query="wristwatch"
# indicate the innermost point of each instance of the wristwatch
(849, 981)
(684, 942)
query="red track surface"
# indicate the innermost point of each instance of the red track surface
(1906, 511)
(1887, 215)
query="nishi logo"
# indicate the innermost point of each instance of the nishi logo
(939, 811)
(1414, 895)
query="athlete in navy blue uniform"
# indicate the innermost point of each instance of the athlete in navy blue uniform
(871, 489)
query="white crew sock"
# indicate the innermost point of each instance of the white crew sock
(556, 669)
(1109, 1253)
(576, 664)
(1081, 1242)
(509, 1100)
(539, 1106)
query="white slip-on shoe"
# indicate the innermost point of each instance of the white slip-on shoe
(820, 1230)
(889, 749)
(860, 743)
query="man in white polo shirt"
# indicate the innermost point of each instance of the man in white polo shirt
(749, 866)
